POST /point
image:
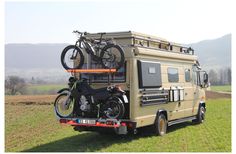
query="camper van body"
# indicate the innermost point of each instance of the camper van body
(159, 77)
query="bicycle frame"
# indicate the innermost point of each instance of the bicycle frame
(83, 43)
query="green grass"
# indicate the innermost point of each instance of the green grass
(224, 88)
(34, 128)
(44, 89)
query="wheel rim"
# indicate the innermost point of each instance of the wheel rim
(112, 110)
(111, 58)
(202, 114)
(64, 106)
(162, 126)
(69, 61)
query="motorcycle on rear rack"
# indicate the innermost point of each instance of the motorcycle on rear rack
(81, 100)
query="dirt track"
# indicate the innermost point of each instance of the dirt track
(30, 99)
(214, 95)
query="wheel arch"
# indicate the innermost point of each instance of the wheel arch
(162, 111)
(202, 104)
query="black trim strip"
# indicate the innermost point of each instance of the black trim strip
(153, 103)
(177, 121)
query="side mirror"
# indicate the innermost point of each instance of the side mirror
(205, 80)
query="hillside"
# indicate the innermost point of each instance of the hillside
(43, 60)
(214, 54)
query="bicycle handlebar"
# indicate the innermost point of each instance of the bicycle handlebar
(81, 33)
(86, 33)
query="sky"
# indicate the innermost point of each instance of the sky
(181, 21)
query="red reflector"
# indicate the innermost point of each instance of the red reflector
(63, 120)
(123, 124)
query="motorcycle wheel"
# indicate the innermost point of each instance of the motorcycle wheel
(113, 108)
(64, 105)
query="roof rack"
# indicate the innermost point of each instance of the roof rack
(147, 41)
(161, 45)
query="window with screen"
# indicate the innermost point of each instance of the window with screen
(173, 75)
(117, 77)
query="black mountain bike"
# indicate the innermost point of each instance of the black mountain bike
(105, 52)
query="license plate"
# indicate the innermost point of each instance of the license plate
(86, 121)
(125, 98)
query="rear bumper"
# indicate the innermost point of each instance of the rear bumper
(90, 122)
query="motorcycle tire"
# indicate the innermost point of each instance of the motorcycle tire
(113, 108)
(58, 106)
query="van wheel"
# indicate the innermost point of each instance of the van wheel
(201, 115)
(160, 125)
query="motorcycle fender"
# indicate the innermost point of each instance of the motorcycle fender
(125, 98)
(64, 89)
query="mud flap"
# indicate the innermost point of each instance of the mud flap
(122, 130)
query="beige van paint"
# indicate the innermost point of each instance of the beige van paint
(146, 115)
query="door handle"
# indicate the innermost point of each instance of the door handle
(179, 104)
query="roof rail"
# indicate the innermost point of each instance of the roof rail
(161, 45)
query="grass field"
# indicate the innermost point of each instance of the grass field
(224, 88)
(44, 88)
(34, 128)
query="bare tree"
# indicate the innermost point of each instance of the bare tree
(14, 85)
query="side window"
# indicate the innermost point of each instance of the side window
(195, 75)
(173, 75)
(187, 75)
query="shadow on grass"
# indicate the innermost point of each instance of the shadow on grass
(91, 141)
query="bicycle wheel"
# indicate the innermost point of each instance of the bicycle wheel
(64, 105)
(112, 56)
(72, 57)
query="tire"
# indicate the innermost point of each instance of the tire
(71, 64)
(201, 115)
(113, 108)
(109, 60)
(58, 107)
(160, 125)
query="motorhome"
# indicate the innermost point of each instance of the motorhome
(163, 82)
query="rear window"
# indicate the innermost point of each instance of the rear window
(117, 77)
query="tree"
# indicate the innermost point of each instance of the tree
(229, 75)
(213, 77)
(14, 85)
